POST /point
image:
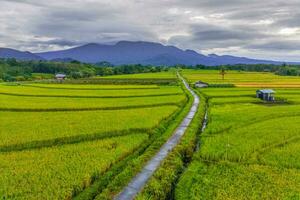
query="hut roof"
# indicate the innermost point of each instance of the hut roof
(60, 75)
(266, 91)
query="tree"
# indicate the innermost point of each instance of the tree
(223, 72)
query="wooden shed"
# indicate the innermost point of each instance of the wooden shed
(266, 94)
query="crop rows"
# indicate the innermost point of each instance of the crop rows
(92, 87)
(57, 172)
(42, 103)
(19, 90)
(60, 154)
(249, 149)
(243, 79)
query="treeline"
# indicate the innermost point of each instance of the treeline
(283, 70)
(15, 70)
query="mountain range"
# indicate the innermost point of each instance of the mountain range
(127, 52)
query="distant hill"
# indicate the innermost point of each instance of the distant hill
(19, 55)
(126, 52)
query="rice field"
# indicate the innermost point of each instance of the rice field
(159, 75)
(58, 139)
(243, 79)
(58, 172)
(249, 149)
(53, 90)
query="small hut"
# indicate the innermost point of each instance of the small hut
(60, 77)
(200, 84)
(266, 94)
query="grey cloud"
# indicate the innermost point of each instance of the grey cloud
(237, 24)
(276, 46)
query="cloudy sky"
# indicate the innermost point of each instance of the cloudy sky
(252, 28)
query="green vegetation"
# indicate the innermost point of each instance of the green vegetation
(8, 102)
(162, 75)
(243, 79)
(59, 172)
(135, 165)
(60, 140)
(16, 70)
(86, 141)
(249, 148)
(53, 91)
(17, 127)
(283, 70)
(161, 185)
(225, 180)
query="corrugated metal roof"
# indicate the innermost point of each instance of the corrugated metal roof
(266, 91)
(60, 75)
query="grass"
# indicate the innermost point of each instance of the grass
(285, 155)
(47, 103)
(249, 149)
(59, 171)
(53, 148)
(136, 164)
(243, 79)
(91, 87)
(161, 185)
(17, 127)
(158, 75)
(20, 90)
(231, 181)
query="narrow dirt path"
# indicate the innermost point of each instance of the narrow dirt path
(139, 181)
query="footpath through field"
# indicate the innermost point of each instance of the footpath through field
(139, 181)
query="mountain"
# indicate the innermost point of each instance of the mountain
(226, 59)
(127, 52)
(19, 55)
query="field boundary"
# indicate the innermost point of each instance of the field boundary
(87, 109)
(139, 181)
(86, 97)
(70, 140)
(70, 88)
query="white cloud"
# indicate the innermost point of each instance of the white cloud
(289, 31)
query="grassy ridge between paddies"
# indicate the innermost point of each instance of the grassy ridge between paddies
(243, 79)
(54, 173)
(20, 90)
(162, 183)
(52, 103)
(247, 150)
(91, 87)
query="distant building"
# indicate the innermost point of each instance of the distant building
(60, 77)
(200, 84)
(266, 94)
